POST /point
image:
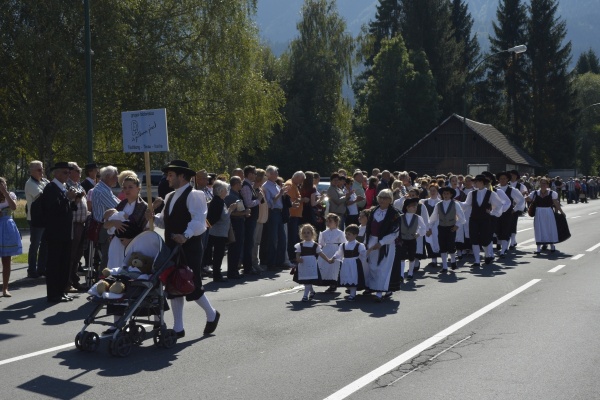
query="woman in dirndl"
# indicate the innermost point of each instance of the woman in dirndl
(10, 238)
(545, 202)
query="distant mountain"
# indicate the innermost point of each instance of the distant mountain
(277, 20)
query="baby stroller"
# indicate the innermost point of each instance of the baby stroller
(142, 302)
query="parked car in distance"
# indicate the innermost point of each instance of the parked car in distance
(155, 177)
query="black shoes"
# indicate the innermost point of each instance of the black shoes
(444, 271)
(180, 334)
(331, 289)
(409, 278)
(212, 326)
(488, 260)
(453, 266)
(475, 265)
(63, 299)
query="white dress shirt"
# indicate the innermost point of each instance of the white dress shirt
(196, 205)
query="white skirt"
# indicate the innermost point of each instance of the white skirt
(544, 226)
(329, 272)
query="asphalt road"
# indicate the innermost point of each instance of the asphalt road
(525, 328)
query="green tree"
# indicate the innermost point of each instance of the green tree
(504, 96)
(551, 93)
(400, 103)
(588, 62)
(587, 150)
(317, 63)
(427, 26)
(199, 59)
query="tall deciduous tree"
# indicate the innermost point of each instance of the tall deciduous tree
(318, 62)
(587, 87)
(551, 93)
(427, 26)
(503, 97)
(400, 103)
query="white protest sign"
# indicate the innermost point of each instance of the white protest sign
(145, 131)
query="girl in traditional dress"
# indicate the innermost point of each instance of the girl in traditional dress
(353, 255)
(10, 238)
(307, 251)
(381, 233)
(544, 222)
(330, 240)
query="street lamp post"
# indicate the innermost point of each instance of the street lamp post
(88, 81)
(580, 135)
(517, 50)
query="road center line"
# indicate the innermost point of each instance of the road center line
(523, 230)
(527, 241)
(557, 268)
(577, 216)
(577, 257)
(595, 212)
(412, 353)
(593, 247)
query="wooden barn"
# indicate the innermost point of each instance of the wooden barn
(441, 151)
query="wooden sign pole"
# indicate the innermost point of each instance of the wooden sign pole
(149, 187)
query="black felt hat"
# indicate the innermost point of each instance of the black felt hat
(179, 167)
(447, 189)
(61, 165)
(515, 172)
(503, 173)
(482, 178)
(409, 202)
(91, 166)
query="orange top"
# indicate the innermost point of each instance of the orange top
(294, 193)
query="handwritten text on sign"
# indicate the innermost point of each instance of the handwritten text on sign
(145, 130)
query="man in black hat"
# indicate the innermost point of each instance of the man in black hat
(91, 172)
(449, 216)
(184, 221)
(58, 205)
(484, 204)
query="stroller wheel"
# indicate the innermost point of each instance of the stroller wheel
(138, 335)
(90, 341)
(121, 346)
(78, 338)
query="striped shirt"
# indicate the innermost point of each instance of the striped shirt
(102, 200)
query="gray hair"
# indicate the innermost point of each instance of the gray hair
(74, 165)
(35, 163)
(385, 193)
(271, 169)
(219, 187)
(299, 173)
(108, 172)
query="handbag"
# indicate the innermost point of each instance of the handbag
(532, 206)
(181, 280)
(94, 228)
(562, 227)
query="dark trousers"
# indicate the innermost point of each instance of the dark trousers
(504, 225)
(276, 245)
(217, 245)
(514, 221)
(57, 266)
(76, 252)
(446, 239)
(38, 251)
(234, 250)
(293, 236)
(193, 251)
(480, 230)
(249, 229)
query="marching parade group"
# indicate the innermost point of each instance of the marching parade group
(364, 234)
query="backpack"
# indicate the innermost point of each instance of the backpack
(37, 212)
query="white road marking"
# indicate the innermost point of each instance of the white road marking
(577, 216)
(37, 353)
(412, 353)
(595, 212)
(50, 350)
(526, 241)
(593, 247)
(557, 268)
(523, 230)
(577, 257)
(294, 289)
